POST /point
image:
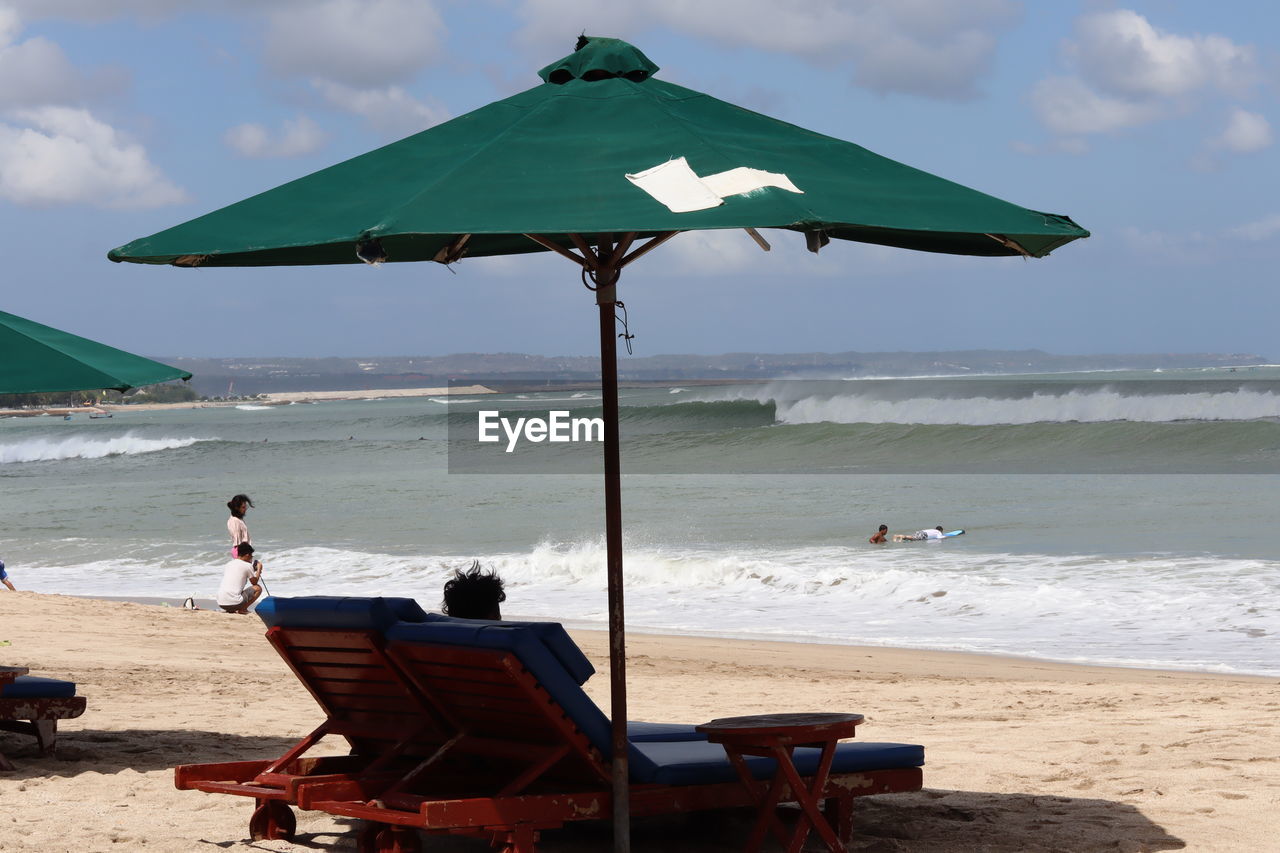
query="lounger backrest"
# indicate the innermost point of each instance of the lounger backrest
(335, 646)
(338, 612)
(552, 635)
(477, 690)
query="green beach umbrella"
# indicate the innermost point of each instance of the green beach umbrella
(39, 359)
(601, 164)
(601, 147)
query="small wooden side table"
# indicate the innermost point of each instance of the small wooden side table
(776, 736)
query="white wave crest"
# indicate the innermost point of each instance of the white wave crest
(1158, 610)
(1073, 406)
(47, 450)
(251, 408)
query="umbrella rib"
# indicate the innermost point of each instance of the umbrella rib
(558, 249)
(1010, 243)
(656, 241)
(615, 260)
(593, 258)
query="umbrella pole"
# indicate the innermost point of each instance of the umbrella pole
(604, 265)
(606, 297)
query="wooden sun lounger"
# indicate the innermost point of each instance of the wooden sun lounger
(481, 729)
(532, 768)
(365, 701)
(33, 706)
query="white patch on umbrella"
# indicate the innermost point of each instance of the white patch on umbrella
(677, 186)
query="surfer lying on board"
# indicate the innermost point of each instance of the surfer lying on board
(880, 536)
(919, 535)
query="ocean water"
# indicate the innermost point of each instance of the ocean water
(1123, 518)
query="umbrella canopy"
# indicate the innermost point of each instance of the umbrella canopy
(607, 160)
(38, 359)
(554, 160)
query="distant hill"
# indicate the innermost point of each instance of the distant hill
(213, 377)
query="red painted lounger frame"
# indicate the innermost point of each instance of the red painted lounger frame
(552, 774)
(364, 699)
(456, 741)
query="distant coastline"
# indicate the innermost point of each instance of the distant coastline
(277, 398)
(282, 398)
(250, 377)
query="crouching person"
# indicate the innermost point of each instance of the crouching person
(240, 581)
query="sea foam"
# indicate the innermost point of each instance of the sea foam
(1155, 611)
(1077, 405)
(78, 447)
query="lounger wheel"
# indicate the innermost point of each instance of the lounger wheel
(381, 838)
(271, 820)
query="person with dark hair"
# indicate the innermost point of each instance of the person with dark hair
(240, 581)
(881, 536)
(235, 524)
(474, 594)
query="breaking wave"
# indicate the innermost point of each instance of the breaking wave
(1074, 405)
(48, 450)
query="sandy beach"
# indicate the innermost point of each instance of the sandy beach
(370, 394)
(1021, 755)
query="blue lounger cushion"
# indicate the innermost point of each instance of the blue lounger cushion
(638, 732)
(691, 763)
(35, 687)
(669, 762)
(552, 634)
(339, 613)
(530, 650)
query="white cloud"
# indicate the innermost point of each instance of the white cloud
(1245, 133)
(10, 25)
(1130, 73)
(36, 71)
(732, 252)
(391, 110)
(1168, 248)
(1260, 230)
(1073, 145)
(1121, 52)
(1067, 106)
(361, 43)
(715, 252)
(296, 137)
(102, 10)
(934, 48)
(59, 155)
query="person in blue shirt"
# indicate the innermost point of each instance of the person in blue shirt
(4, 578)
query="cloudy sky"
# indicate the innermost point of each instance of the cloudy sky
(1153, 124)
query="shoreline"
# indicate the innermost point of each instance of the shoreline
(275, 398)
(1021, 756)
(971, 661)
